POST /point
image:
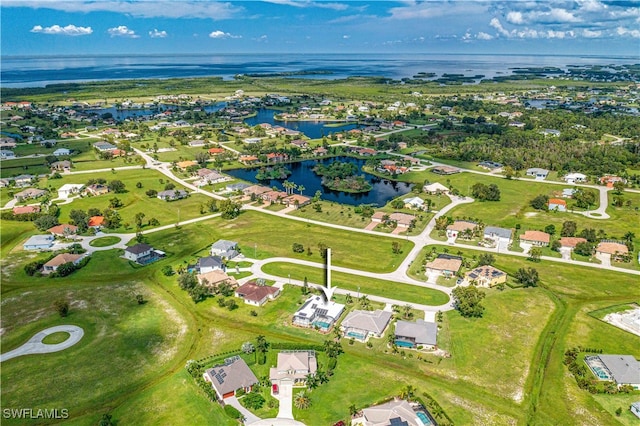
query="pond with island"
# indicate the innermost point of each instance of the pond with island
(311, 129)
(382, 190)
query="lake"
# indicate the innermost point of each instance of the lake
(123, 114)
(383, 189)
(312, 129)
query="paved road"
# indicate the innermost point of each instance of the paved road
(35, 345)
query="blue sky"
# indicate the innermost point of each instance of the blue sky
(58, 27)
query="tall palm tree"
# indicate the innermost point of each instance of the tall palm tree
(301, 188)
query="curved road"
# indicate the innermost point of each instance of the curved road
(35, 345)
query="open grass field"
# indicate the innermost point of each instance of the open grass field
(265, 236)
(405, 292)
(104, 241)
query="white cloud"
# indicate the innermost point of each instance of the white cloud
(424, 10)
(591, 34)
(122, 31)
(591, 5)
(484, 36)
(346, 37)
(529, 33)
(495, 23)
(69, 30)
(157, 34)
(262, 39)
(515, 18)
(622, 31)
(306, 3)
(222, 34)
(147, 9)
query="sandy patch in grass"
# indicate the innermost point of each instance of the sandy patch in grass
(531, 214)
(482, 416)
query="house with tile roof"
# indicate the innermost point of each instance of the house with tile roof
(361, 325)
(486, 276)
(54, 264)
(257, 295)
(535, 238)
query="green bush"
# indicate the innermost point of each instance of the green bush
(232, 412)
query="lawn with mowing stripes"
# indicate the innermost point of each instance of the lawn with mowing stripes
(404, 292)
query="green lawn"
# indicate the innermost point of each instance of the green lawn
(104, 241)
(404, 292)
(268, 236)
(55, 338)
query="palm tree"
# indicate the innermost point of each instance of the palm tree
(312, 381)
(353, 410)
(406, 311)
(408, 392)
(301, 188)
(629, 236)
(301, 401)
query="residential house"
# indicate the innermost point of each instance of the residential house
(29, 193)
(63, 230)
(490, 165)
(622, 369)
(54, 264)
(486, 276)
(293, 367)
(568, 192)
(5, 154)
(571, 242)
(197, 143)
(248, 159)
(209, 263)
(435, 188)
(615, 249)
(211, 177)
(61, 166)
(414, 334)
(225, 248)
(296, 200)
(4, 183)
(69, 189)
(361, 325)
(141, 253)
(300, 143)
(61, 152)
(394, 413)
(445, 170)
(252, 140)
(233, 187)
(216, 151)
(501, 236)
(572, 178)
(320, 151)
(539, 174)
(183, 165)
(39, 242)
(273, 196)
(414, 203)
(96, 222)
(462, 228)
(635, 409)
(212, 279)
(551, 132)
(173, 194)
(276, 157)
(96, 189)
(256, 295)
(318, 313)
(610, 180)
(256, 190)
(445, 265)
(226, 378)
(23, 180)
(535, 238)
(104, 147)
(26, 210)
(557, 204)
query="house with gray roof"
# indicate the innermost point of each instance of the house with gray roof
(394, 413)
(225, 248)
(173, 194)
(361, 325)
(635, 409)
(501, 236)
(316, 312)
(209, 263)
(104, 146)
(538, 173)
(624, 369)
(414, 334)
(226, 378)
(294, 367)
(38, 242)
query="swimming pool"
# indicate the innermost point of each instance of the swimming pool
(422, 416)
(404, 344)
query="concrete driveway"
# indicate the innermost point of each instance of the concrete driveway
(605, 258)
(249, 417)
(35, 345)
(285, 397)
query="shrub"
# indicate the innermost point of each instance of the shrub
(232, 412)
(62, 307)
(298, 248)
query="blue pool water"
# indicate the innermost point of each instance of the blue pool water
(404, 344)
(355, 335)
(323, 325)
(422, 416)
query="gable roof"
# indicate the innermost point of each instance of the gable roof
(26, 209)
(96, 221)
(254, 292)
(625, 369)
(612, 248)
(391, 413)
(444, 264)
(224, 245)
(571, 241)
(210, 262)
(557, 201)
(63, 229)
(63, 258)
(499, 232)
(461, 225)
(216, 276)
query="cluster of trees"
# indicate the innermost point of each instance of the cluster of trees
(528, 277)
(188, 281)
(467, 301)
(483, 192)
(80, 218)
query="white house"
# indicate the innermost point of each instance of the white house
(61, 151)
(538, 173)
(142, 253)
(38, 242)
(575, 178)
(5, 154)
(414, 203)
(318, 313)
(225, 248)
(635, 409)
(361, 325)
(69, 189)
(435, 188)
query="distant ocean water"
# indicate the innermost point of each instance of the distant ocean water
(39, 71)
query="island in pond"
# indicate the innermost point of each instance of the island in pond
(340, 176)
(275, 172)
